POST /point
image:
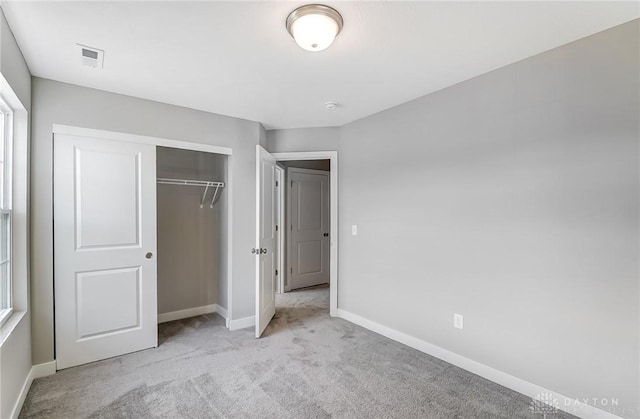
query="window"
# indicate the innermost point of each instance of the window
(6, 137)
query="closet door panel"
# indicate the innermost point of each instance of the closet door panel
(106, 198)
(105, 246)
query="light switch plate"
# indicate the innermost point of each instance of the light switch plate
(354, 230)
(458, 321)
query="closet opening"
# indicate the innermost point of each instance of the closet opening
(192, 220)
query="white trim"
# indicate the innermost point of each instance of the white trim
(565, 403)
(6, 313)
(280, 177)
(43, 370)
(6, 204)
(36, 371)
(333, 190)
(121, 136)
(221, 311)
(191, 312)
(10, 324)
(241, 323)
(258, 282)
(229, 239)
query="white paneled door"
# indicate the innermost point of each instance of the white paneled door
(105, 248)
(309, 228)
(265, 249)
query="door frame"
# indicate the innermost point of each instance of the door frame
(184, 145)
(332, 156)
(280, 222)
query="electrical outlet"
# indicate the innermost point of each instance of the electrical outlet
(354, 230)
(458, 321)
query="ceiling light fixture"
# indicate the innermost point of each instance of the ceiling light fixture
(314, 26)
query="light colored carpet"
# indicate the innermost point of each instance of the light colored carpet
(307, 366)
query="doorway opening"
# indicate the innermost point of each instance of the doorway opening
(191, 233)
(268, 230)
(302, 207)
(307, 209)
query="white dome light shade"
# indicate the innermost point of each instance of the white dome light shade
(314, 27)
(314, 32)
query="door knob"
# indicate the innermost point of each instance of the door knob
(149, 255)
(255, 251)
(326, 234)
(263, 251)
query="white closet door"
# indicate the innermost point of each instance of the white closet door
(105, 246)
(266, 240)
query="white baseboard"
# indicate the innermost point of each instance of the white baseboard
(561, 402)
(221, 311)
(36, 371)
(191, 312)
(242, 323)
(43, 370)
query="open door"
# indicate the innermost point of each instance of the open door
(105, 245)
(265, 249)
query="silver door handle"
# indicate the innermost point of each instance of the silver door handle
(255, 251)
(263, 251)
(149, 255)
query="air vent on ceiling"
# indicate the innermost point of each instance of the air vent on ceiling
(91, 57)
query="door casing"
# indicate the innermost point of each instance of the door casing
(280, 205)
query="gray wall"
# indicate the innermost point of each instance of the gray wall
(303, 139)
(262, 136)
(308, 164)
(189, 237)
(513, 199)
(15, 362)
(60, 103)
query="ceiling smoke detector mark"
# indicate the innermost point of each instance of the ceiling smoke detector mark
(331, 105)
(91, 57)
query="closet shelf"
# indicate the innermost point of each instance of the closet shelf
(206, 184)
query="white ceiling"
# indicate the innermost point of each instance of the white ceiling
(237, 59)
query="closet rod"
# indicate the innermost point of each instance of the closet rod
(202, 183)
